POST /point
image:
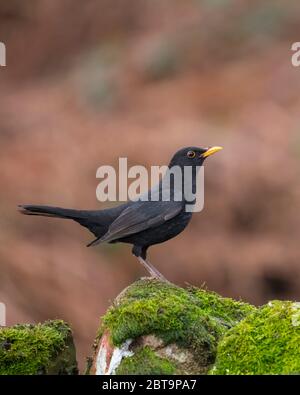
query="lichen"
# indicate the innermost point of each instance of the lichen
(265, 342)
(145, 361)
(37, 349)
(191, 318)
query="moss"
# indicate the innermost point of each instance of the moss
(37, 349)
(266, 342)
(145, 361)
(226, 310)
(191, 318)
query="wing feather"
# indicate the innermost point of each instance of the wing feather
(141, 216)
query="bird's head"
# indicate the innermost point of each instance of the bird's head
(192, 156)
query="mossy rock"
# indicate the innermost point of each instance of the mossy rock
(46, 348)
(184, 325)
(266, 342)
(146, 361)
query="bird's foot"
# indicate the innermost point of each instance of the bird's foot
(159, 277)
(154, 273)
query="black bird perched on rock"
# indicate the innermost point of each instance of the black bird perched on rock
(141, 223)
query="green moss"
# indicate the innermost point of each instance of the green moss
(228, 311)
(266, 342)
(191, 318)
(145, 361)
(35, 349)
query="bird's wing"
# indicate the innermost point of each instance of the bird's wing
(141, 216)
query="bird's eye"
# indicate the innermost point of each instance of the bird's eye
(191, 154)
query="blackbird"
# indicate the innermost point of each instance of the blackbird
(140, 222)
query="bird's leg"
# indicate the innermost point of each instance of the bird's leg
(151, 269)
(141, 253)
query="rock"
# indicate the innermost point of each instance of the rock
(265, 342)
(155, 327)
(46, 348)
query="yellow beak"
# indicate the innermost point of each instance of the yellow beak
(211, 151)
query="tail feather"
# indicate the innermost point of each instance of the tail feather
(95, 221)
(48, 211)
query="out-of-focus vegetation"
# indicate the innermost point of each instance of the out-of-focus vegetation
(46, 348)
(88, 82)
(265, 342)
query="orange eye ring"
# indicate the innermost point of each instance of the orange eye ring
(191, 154)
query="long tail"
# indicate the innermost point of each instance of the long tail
(95, 221)
(48, 211)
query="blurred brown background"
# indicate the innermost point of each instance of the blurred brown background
(89, 81)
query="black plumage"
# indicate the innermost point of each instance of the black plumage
(140, 223)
